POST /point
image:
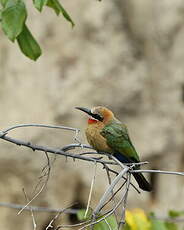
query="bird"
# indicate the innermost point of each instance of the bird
(105, 133)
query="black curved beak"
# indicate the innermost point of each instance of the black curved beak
(88, 111)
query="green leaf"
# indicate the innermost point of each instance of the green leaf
(51, 4)
(81, 214)
(39, 4)
(28, 44)
(110, 222)
(174, 214)
(65, 14)
(3, 2)
(157, 225)
(13, 18)
(141, 223)
(126, 227)
(171, 226)
(58, 8)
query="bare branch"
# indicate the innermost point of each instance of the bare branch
(73, 225)
(70, 211)
(122, 221)
(113, 171)
(55, 218)
(52, 150)
(113, 194)
(48, 167)
(32, 214)
(158, 171)
(106, 215)
(52, 221)
(109, 190)
(40, 126)
(38, 209)
(90, 156)
(91, 189)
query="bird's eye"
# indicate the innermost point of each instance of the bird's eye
(98, 117)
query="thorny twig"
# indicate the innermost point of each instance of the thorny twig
(107, 202)
(103, 200)
(32, 214)
(48, 167)
(44, 173)
(64, 152)
(158, 171)
(109, 190)
(109, 194)
(113, 171)
(90, 192)
(107, 214)
(50, 225)
(122, 220)
(58, 151)
(112, 194)
(41, 126)
(38, 209)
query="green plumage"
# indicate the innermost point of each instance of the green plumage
(117, 138)
(116, 135)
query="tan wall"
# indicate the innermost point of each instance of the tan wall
(127, 55)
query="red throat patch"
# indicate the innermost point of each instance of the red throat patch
(91, 121)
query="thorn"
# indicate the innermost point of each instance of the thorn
(97, 158)
(66, 159)
(2, 133)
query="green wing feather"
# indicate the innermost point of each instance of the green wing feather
(116, 135)
(117, 138)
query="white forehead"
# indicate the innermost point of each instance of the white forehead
(96, 109)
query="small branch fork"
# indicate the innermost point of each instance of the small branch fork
(109, 198)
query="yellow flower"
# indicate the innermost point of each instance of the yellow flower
(137, 220)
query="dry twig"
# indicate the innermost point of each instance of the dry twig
(109, 194)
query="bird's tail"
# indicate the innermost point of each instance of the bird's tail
(142, 182)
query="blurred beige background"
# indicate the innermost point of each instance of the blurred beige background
(127, 55)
